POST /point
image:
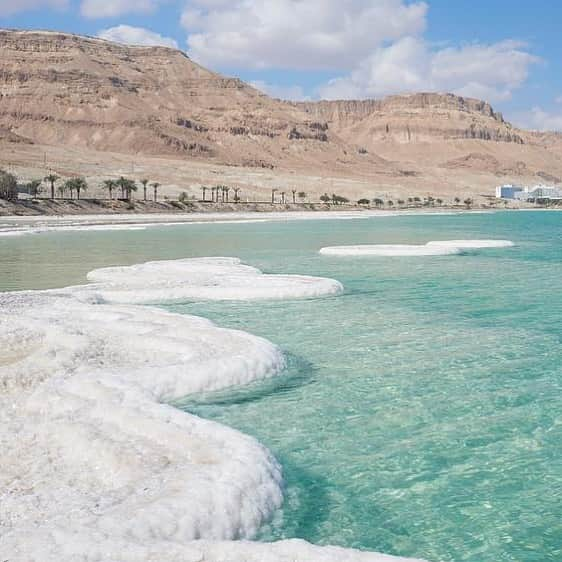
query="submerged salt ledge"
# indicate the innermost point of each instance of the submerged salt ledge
(434, 248)
(114, 473)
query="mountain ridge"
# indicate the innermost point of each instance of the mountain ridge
(65, 90)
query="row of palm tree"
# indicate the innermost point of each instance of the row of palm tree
(78, 184)
(415, 201)
(128, 186)
(295, 193)
(220, 193)
(71, 185)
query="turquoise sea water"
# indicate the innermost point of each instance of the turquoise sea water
(421, 412)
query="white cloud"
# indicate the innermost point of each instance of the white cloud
(9, 7)
(539, 119)
(489, 72)
(378, 46)
(136, 36)
(304, 34)
(112, 8)
(293, 93)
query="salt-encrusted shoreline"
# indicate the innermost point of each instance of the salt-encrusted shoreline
(95, 465)
(23, 225)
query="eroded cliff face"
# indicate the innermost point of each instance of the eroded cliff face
(414, 118)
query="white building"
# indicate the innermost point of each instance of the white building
(508, 191)
(539, 192)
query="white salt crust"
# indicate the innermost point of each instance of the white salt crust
(388, 250)
(434, 248)
(468, 244)
(202, 279)
(94, 466)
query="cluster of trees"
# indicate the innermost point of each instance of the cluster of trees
(8, 186)
(127, 186)
(412, 201)
(76, 185)
(334, 198)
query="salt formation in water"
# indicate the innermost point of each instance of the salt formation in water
(468, 244)
(94, 466)
(388, 250)
(203, 279)
(434, 248)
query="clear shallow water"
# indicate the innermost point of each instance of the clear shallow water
(421, 413)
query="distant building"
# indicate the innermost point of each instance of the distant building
(528, 193)
(539, 192)
(508, 191)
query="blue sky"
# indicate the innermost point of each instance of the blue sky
(504, 51)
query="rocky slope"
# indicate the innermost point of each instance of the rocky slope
(61, 88)
(98, 98)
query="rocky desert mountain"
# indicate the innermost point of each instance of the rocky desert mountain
(82, 105)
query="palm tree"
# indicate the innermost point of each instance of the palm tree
(390, 203)
(204, 190)
(52, 179)
(294, 192)
(283, 197)
(155, 185)
(34, 187)
(457, 200)
(226, 190)
(273, 192)
(121, 184)
(69, 185)
(236, 196)
(144, 182)
(400, 202)
(61, 189)
(127, 186)
(302, 195)
(130, 187)
(110, 185)
(80, 184)
(468, 202)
